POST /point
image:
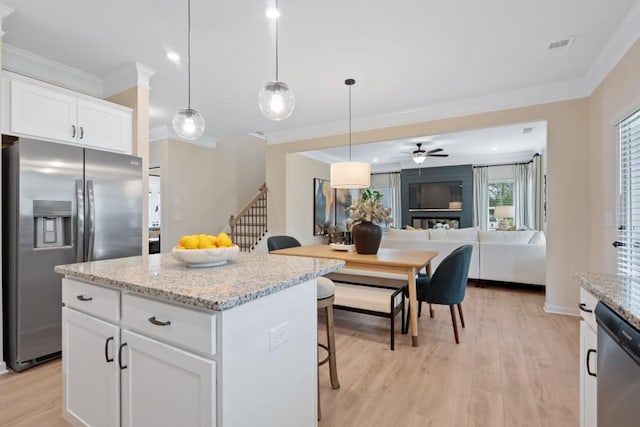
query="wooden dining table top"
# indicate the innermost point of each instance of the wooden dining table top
(398, 258)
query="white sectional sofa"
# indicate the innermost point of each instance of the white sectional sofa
(506, 256)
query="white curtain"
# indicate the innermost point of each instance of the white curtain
(481, 197)
(527, 194)
(521, 191)
(390, 182)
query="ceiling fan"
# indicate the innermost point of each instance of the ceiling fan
(420, 155)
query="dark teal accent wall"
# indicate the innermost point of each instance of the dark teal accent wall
(463, 173)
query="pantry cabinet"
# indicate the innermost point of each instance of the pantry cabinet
(44, 111)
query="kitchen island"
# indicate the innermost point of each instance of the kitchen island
(149, 341)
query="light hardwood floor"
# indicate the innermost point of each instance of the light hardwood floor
(515, 366)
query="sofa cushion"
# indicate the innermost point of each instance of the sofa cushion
(469, 234)
(505, 236)
(538, 238)
(396, 233)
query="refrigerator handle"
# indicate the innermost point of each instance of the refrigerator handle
(92, 219)
(80, 226)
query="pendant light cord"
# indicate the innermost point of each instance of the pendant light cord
(349, 122)
(189, 54)
(277, 20)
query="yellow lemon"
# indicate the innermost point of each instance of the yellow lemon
(183, 239)
(224, 240)
(180, 247)
(191, 242)
(205, 242)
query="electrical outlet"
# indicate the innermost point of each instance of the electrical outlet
(278, 335)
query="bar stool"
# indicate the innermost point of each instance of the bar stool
(326, 290)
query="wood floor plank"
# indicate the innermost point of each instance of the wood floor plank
(515, 366)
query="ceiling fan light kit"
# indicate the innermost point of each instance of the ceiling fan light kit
(276, 100)
(350, 175)
(188, 123)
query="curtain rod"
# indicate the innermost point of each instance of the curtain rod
(508, 164)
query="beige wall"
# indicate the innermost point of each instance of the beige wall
(300, 209)
(567, 172)
(615, 98)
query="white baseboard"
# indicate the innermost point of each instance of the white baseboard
(560, 309)
(3, 368)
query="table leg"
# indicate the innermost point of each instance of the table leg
(413, 306)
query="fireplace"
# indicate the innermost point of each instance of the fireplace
(432, 222)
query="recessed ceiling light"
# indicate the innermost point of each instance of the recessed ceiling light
(494, 148)
(172, 56)
(375, 160)
(273, 13)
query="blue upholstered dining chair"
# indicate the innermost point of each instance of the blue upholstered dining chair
(326, 291)
(447, 285)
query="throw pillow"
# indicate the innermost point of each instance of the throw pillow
(438, 234)
(396, 233)
(469, 234)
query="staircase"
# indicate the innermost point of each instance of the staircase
(250, 225)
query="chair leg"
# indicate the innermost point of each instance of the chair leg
(455, 324)
(405, 329)
(402, 317)
(419, 308)
(331, 343)
(393, 327)
(430, 311)
(461, 316)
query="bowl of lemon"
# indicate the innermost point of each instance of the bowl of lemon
(205, 250)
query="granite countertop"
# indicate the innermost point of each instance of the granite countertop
(621, 293)
(248, 277)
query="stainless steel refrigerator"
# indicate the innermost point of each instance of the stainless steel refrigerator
(61, 204)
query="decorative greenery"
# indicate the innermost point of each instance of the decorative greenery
(369, 209)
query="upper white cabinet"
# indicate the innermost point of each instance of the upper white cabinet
(40, 110)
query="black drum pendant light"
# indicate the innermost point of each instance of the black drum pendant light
(188, 123)
(275, 99)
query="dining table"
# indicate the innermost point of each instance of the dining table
(395, 261)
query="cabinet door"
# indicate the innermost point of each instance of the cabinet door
(91, 392)
(165, 386)
(104, 127)
(588, 383)
(41, 112)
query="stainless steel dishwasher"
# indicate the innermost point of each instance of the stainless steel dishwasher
(618, 370)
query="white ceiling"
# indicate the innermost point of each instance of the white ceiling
(410, 58)
(490, 146)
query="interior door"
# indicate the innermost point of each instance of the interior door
(113, 211)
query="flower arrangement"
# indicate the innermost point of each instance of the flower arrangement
(369, 209)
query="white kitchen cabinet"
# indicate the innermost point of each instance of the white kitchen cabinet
(164, 385)
(588, 361)
(41, 110)
(91, 374)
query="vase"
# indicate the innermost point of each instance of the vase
(366, 237)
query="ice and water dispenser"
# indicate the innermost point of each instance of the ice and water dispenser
(52, 223)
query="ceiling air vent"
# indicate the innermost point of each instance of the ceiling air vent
(560, 47)
(527, 130)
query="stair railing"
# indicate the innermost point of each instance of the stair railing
(250, 225)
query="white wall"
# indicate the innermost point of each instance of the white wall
(299, 188)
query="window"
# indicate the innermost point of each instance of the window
(628, 260)
(500, 194)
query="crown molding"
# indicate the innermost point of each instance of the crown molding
(29, 64)
(131, 75)
(4, 12)
(161, 133)
(627, 33)
(482, 104)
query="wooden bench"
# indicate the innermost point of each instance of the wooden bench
(370, 295)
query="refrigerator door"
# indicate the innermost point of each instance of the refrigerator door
(113, 205)
(41, 221)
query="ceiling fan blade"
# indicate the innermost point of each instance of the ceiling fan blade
(438, 155)
(435, 150)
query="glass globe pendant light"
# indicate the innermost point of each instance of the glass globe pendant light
(188, 123)
(275, 99)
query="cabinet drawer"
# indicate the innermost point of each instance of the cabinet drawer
(187, 328)
(587, 306)
(91, 299)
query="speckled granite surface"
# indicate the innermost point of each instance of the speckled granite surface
(249, 277)
(621, 293)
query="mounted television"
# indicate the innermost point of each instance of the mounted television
(435, 196)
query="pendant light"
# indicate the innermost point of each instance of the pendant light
(350, 174)
(188, 123)
(275, 99)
